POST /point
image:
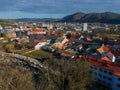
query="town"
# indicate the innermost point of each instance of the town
(95, 43)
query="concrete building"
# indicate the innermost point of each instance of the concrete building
(105, 73)
(84, 27)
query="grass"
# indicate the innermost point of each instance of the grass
(38, 54)
(114, 36)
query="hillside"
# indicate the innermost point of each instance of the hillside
(17, 75)
(37, 19)
(13, 76)
(106, 17)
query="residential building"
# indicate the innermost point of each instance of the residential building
(36, 32)
(105, 73)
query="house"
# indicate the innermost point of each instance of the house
(36, 32)
(66, 56)
(42, 43)
(9, 33)
(60, 44)
(39, 45)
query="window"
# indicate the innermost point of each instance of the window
(100, 69)
(100, 75)
(103, 82)
(111, 73)
(98, 80)
(105, 71)
(109, 84)
(119, 78)
(110, 79)
(104, 77)
(118, 85)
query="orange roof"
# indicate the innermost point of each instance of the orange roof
(36, 32)
(13, 35)
(103, 48)
(100, 50)
(66, 55)
(57, 35)
(88, 39)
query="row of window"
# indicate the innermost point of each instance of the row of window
(118, 85)
(101, 76)
(110, 79)
(103, 82)
(119, 78)
(107, 83)
(105, 77)
(105, 71)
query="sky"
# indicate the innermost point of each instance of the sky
(54, 8)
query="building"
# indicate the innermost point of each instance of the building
(48, 26)
(9, 33)
(42, 43)
(39, 45)
(12, 35)
(84, 27)
(105, 73)
(36, 32)
(60, 44)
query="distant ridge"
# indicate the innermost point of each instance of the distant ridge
(38, 19)
(105, 17)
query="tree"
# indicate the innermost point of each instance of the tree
(2, 35)
(73, 76)
(9, 47)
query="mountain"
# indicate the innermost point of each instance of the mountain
(38, 19)
(106, 17)
(73, 18)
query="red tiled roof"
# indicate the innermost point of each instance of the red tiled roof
(13, 35)
(66, 55)
(36, 32)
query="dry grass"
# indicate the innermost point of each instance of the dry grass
(13, 77)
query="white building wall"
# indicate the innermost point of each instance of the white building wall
(85, 26)
(39, 45)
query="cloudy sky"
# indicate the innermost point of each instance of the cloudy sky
(54, 8)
